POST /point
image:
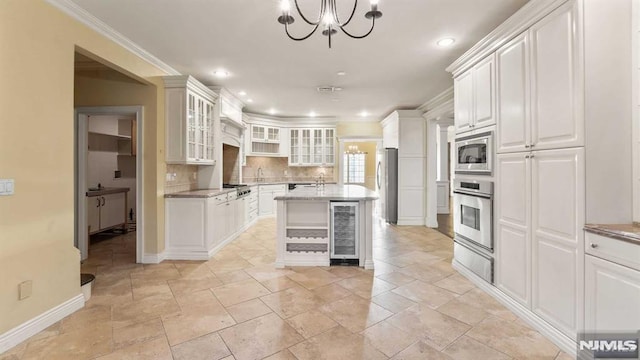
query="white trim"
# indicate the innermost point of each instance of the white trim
(76, 12)
(437, 100)
(558, 338)
(153, 258)
(285, 121)
(528, 15)
(31, 327)
(635, 111)
(81, 181)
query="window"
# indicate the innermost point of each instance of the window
(354, 168)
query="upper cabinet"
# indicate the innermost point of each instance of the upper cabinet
(312, 146)
(539, 86)
(474, 96)
(189, 108)
(265, 140)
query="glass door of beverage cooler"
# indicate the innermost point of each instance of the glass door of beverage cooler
(344, 230)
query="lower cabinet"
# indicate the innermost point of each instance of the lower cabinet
(612, 285)
(196, 228)
(106, 211)
(266, 194)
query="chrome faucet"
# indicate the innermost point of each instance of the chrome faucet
(260, 176)
(320, 180)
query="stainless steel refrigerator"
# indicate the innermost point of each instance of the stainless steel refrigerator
(391, 184)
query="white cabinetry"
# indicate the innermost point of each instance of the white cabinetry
(474, 96)
(189, 108)
(312, 147)
(408, 127)
(540, 214)
(196, 228)
(266, 193)
(540, 86)
(106, 212)
(265, 140)
(612, 285)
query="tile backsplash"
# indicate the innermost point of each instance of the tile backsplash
(230, 164)
(185, 178)
(278, 169)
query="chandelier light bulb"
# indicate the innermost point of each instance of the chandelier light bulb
(328, 19)
(285, 6)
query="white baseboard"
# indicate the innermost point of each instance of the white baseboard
(27, 329)
(410, 222)
(368, 265)
(432, 223)
(565, 343)
(153, 258)
(200, 254)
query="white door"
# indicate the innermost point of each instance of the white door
(317, 149)
(93, 213)
(463, 99)
(612, 296)
(329, 147)
(513, 238)
(294, 140)
(484, 92)
(240, 210)
(513, 126)
(220, 223)
(556, 81)
(113, 210)
(557, 192)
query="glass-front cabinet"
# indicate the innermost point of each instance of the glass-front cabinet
(189, 107)
(312, 147)
(265, 140)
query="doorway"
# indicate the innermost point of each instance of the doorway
(109, 177)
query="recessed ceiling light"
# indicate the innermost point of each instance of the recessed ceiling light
(250, 100)
(221, 73)
(341, 73)
(273, 111)
(312, 114)
(446, 42)
(364, 114)
(242, 93)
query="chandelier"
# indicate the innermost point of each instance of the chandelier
(328, 19)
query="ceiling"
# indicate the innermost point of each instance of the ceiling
(399, 66)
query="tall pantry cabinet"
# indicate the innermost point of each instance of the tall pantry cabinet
(540, 169)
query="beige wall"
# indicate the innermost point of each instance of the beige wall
(37, 44)
(359, 128)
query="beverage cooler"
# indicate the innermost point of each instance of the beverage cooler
(344, 230)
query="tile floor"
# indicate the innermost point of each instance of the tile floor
(238, 306)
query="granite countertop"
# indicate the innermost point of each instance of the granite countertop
(330, 192)
(625, 232)
(107, 191)
(286, 182)
(202, 193)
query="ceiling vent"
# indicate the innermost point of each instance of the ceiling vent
(328, 89)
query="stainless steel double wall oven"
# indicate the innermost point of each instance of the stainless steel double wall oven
(473, 204)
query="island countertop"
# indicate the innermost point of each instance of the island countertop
(330, 192)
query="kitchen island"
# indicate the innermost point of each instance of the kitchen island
(318, 226)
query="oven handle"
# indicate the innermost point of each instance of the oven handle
(471, 193)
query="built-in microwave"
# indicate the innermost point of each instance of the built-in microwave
(474, 154)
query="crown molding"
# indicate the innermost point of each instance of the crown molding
(528, 15)
(76, 12)
(284, 121)
(443, 112)
(437, 100)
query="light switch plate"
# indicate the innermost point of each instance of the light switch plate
(25, 289)
(6, 187)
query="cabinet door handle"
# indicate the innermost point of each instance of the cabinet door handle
(526, 156)
(98, 204)
(527, 146)
(103, 201)
(593, 245)
(531, 156)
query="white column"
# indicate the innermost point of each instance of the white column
(443, 152)
(431, 219)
